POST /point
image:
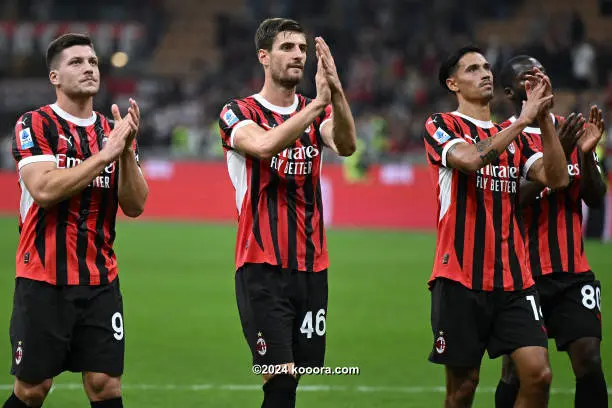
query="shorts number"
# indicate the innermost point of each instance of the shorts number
(319, 326)
(591, 297)
(537, 311)
(117, 323)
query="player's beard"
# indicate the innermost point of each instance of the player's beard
(479, 97)
(284, 79)
(80, 91)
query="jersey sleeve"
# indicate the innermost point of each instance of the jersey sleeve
(324, 118)
(233, 116)
(439, 136)
(558, 121)
(30, 142)
(530, 152)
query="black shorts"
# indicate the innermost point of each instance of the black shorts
(465, 323)
(571, 306)
(283, 314)
(66, 328)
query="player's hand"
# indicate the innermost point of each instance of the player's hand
(570, 132)
(540, 77)
(116, 143)
(537, 101)
(329, 66)
(323, 89)
(593, 131)
(134, 112)
(134, 115)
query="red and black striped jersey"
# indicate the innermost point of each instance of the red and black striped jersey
(279, 202)
(554, 220)
(70, 243)
(480, 231)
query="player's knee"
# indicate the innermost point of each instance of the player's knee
(586, 357)
(102, 386)
(33, 394)
(590, 363)
(539, 377)
(467, 388)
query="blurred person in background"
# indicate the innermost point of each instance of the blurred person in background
(274, 142)
(75, 169)
(569, 292)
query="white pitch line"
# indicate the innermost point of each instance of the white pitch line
(302, 388)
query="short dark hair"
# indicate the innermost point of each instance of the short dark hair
(269, 28)
(507, 73)
(64, 41)
(449, 66)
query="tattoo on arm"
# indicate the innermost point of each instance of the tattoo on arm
(451, 149)
(483, 144)
(486, 157)
(489, 157)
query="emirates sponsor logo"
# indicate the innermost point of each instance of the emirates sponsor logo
(295, 160)
(300, 153)
(64, 161)
(502, 172)
(498, 178)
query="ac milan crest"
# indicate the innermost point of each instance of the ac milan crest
(261, 346)
(18, 354)
(440, 343)
(511, 148)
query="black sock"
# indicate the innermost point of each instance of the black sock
(110, 403)
(505, 394)
(14, 402)
(279, 392)
(591, 391)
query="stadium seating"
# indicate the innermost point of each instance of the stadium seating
(191, 34)
(513, 30)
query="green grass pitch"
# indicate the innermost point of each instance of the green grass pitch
(184, 344)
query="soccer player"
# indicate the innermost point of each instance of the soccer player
(75, 169)
(569, 293)
(274, 142)
(483, 295)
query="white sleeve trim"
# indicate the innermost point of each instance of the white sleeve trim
(530, 162)
(324, 122)
(36, 159)
(236, 127)
(448, 146)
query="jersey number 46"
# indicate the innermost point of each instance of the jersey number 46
(319, 325)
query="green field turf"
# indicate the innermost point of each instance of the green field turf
(184, 344)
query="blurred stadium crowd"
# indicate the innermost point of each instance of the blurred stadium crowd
(182, 59)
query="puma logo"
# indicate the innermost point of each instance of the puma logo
(67, 139)
(471, 138)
